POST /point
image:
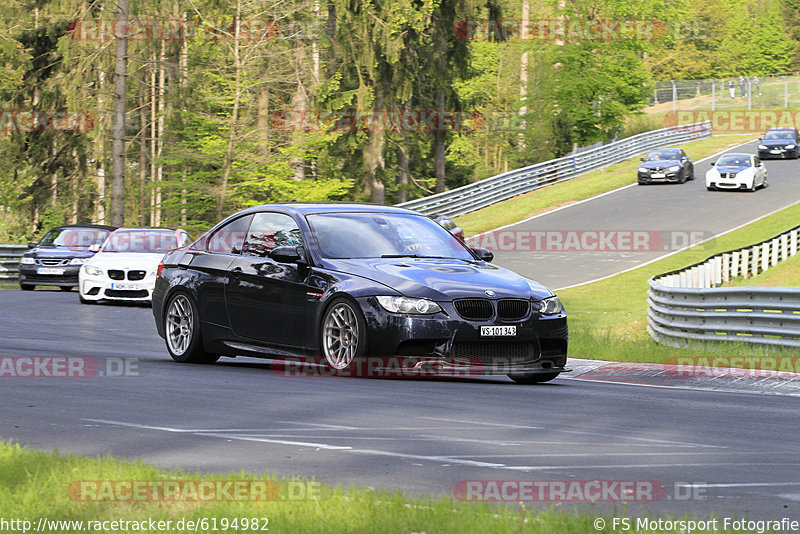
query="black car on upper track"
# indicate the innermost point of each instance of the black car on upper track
(665, 165)
(779, 143)
(340, 284)
(56, 259)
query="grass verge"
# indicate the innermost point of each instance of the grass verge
(36, 484)
(588, 185)
(786, 274)
(608, 318)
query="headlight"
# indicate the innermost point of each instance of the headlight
(408, 305)
(27, 261)
(789, 147)
(92, 270)
(644, 169)
(77, 261)
(549, 306)
(674, 168)
(763, 147)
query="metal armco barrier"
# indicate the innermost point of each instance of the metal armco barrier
(687, 304)
(489, 191)
(9, 262)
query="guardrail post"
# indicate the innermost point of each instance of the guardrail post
(726, 268)
(793, 242)
(775, 247)
(784, 247)
(745, 264)
(764, 257)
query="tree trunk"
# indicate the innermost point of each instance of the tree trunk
(227, 166)
(118, 145)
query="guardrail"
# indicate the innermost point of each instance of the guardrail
(510, 184)
(687, 304)
(9, 261)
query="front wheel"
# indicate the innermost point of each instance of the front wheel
(182, 329)
(532, 378)
(27, 287)
(65, 288)
(344, 333)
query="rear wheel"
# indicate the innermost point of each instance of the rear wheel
(27, 287)
(182, 330)
(533, 378)
(344, 333)
(65, 288)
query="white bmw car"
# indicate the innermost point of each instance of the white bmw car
(125, 266)
(737, 171)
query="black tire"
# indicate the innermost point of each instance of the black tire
(65, 288)
(683, 177)
(710, 188)
(182, 331)
(86, 301)
(753, 188)
(27, 287)
(343, 333)
(533, 378)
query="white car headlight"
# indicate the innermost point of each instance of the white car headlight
(789, 147)
(27, 261)
(77, 261)
(549, 306)
(408, 305)
(763, 147)
(91, 270)
(644, 169)
(674, 168)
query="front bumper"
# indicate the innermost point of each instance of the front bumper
(659, 177)
(37, 275)
(103, 288)
(779, 153)
(448, 344)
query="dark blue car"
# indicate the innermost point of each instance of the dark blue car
(779, 143)
(665, 165)
(354, 289)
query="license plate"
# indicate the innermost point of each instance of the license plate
(49, 270)
(487, 331)
(658, 175)
(774, 151)
(114, 285)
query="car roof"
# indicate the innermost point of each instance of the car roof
(737, 154)
(308, 208)
(93, 226)
(139, 228)
(782, 128)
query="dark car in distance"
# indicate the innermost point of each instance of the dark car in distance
(665, 165)
(337, 284)
(57, 258)
(779, 143)
(448, 224)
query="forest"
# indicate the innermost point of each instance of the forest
(176, 113)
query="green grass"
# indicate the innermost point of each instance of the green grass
(608, 318)
(785, 274)
(585, 186)
(37, 484)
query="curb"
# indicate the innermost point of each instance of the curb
(727, 379)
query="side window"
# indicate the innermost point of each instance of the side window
(269, 230)
(229, 238)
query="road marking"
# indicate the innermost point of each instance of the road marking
(579, 454)
(178, 430)
(740, 485)
(684, 388)
(446, 459)
(278, 441)
(482, 423)
(637, 466)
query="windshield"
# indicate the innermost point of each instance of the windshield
(662, 155)
(376, 235)
(779, 135)
(142, 241)
(734, 161)
(74, 238)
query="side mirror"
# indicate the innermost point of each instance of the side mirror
(32, 244)
(483, 254)
(94, 248)
(290, 254)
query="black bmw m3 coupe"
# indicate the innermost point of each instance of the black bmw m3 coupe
(338, 284)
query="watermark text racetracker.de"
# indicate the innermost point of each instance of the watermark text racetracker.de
(66, 367)
(736, 121)
(587, 240)
(735, 367)
(575, 491)
(178, 490)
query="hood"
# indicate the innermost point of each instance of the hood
(660, 164)
(778, 142)
(442, 279)
(731, 168)
(57, 252)
(126, 260)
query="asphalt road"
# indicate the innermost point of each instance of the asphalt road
(737, 451)
(665, 216)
